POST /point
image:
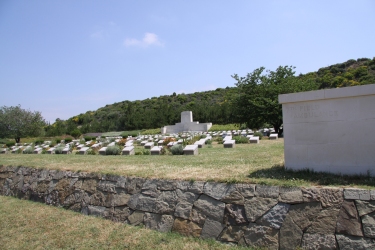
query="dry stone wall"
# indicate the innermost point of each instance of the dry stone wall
(245, 214)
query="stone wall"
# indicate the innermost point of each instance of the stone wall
(245, 214)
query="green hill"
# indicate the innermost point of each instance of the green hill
(208, 106)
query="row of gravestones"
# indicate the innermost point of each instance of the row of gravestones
(246, 214)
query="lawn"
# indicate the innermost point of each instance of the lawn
(247, 163)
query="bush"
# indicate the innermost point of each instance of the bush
(146, 152)
(10, 144)
(219, 140)
(168, 140)
(59, 150)
(88, 138)
(177, 150)
(122, 142)
(38, 142)
(258, 134)
(76, 133)
(240, 139)
(29, 150)
(113, 150)
(58, 140)
(208, 142)
(68, 140)
(125, 134)
(91, 152)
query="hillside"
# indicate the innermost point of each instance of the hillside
(208, 106)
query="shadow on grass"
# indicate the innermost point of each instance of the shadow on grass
(315, 178)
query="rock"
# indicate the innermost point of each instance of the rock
(356, 194)
(304, 214)
(100, 199)
(210, 207)
(133, 201)
(169, 197)
(186, 227)
(218, 190)
(365, 207)
(234, 198)
(234, 215)
(233, 233)
(197, 217)
(107, 186)
(120, 214)
(325, 222)
(319, 241)
(136, 218)
(212, 229)
(262, 236)
(290, 195)
(186, 196)
(89, 185)
(368, 222)
(119, 199)
(188, 186)
(267, 191)
(275, 216)
(348, 221)
(121, 182)
(162, 223)
(98, 211)
(133, 185)
(255, 207)
(183, 210)
(331, 197)
(246, 190)
(290, 234)
(347, 242)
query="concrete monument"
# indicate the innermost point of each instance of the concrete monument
(186, 124)
(330, 130)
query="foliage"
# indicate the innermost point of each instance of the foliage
(241, 139)
(208, 142)
(92, 151)
(39, 141)
(10, 144)
(126, 134)
(219, 140)
(28, 150)
(153, 131)
(257, 101)
(168, 140)
(258, 134)
(76, 133)
(59, 150)
(177, 150)
(113, 150)
(58, 140)
(146, 152)
(16, 122)
(122, 142)
(225, 127)
(68, 140)
(89, 138)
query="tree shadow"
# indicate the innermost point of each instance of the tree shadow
(316, 178)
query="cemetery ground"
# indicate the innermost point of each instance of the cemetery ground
(246, 163)
(30, 225)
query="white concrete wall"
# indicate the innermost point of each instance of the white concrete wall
(330, 130)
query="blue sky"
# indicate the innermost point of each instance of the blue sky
(64, 58)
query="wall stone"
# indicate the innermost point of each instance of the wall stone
(244, 214)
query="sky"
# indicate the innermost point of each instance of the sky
(66, 57)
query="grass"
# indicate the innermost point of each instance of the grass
(31, 225)
(246, 163)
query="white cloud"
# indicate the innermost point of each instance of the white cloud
(149, 39)
(97, 34)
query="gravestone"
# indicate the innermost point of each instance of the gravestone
(229, 143)
(156, 150)
(102, 151)
(329, 130)
(149, 145)
(129, 150)
(254, 139)
(273, 136)
(191, 150)
(83, 150)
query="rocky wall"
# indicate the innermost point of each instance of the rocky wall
(245, 214)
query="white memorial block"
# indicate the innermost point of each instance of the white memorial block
(186, 124)
(328, 130)
(66, 151)
(227, 138)
(37, 150)
(111, 144)
(273, 136)
(51, 151)
(254, 139)
(3, 151)
(80, 146)
(102, 150)
(149, 145)
(129, 143)
(200, 143)
(160, 143)
(128, 150)
(83, 150)
(88, 143)
(96, 146)
(191, 150)
(156, 150)
(229, 143)
(143, 143)
(180, 141)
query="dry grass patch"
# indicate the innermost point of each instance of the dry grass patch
(29, 225)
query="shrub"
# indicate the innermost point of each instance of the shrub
(38, 142)
(258, 134)
(219, 140)
(125, 134)
(88, 138)
(208, 142)
(59, 150)
(168, 140)
(76, 133)
(146, 152)
(122, 142)
(177, 150)
(29, 150)
(68, 140)
(10, 144)
(240, 139)
(91, 151)
(58, 140)
(113, 150)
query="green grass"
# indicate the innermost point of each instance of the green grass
(247, 163)
(30, 225)
(217, 127)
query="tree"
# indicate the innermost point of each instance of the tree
(257, 101)
(16, 122)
